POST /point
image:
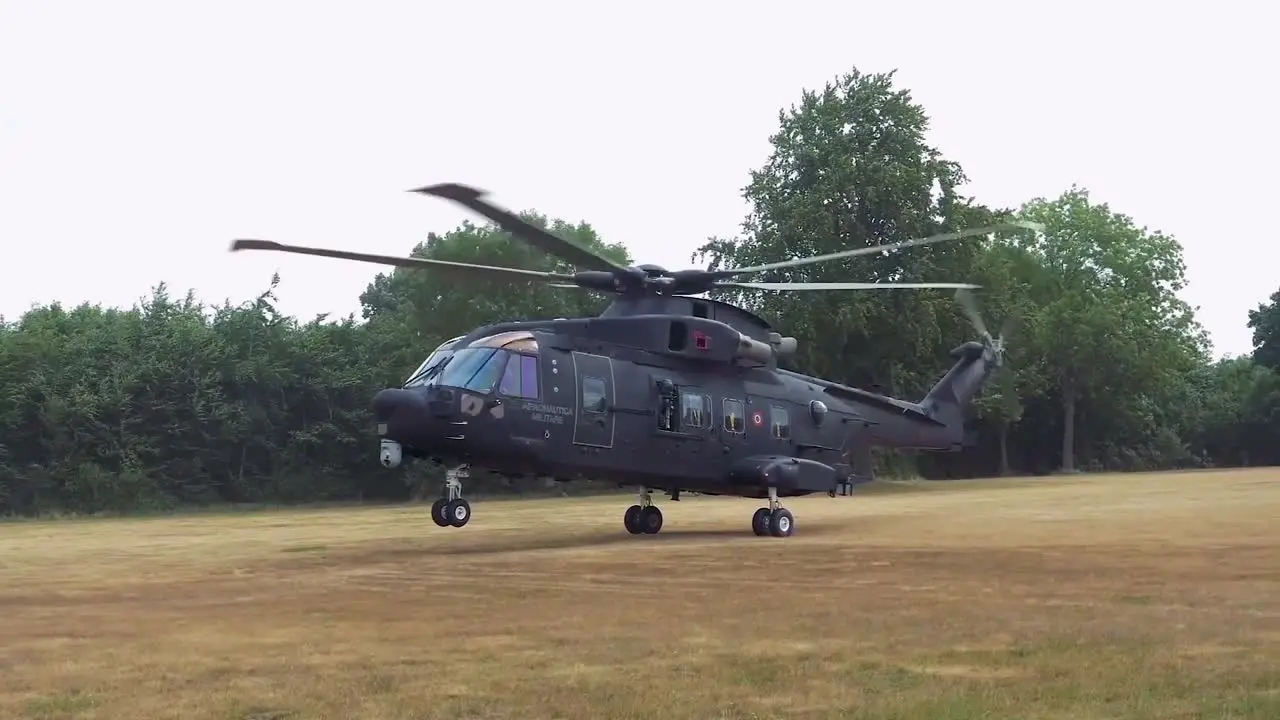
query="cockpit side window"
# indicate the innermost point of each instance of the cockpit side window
(529, 377)
(520, 379)
(510, 385)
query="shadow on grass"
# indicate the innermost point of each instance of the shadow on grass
(557, 539)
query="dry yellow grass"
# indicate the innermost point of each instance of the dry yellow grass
(1145, 596)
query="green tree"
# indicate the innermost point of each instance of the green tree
(1265, 324)
(415, 310)
(851, 167)
(1107, 320)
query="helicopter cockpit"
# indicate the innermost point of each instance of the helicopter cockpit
(507, 360)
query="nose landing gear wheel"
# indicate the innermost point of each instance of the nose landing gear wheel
(760, 522)
(437, 513)
(457, 512)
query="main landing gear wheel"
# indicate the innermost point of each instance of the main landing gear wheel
(760, 522)
(457, 512)
(774, 520)
(651, 520)
(438, 515)
(643, 518)
(631, 520)
(781, 523)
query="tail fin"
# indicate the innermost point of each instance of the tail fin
(974, 363)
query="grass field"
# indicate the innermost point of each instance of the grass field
(1143, 596)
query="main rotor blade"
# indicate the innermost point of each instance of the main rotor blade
(484, 272)
(571, 252)
(872, 249)
(844, 286)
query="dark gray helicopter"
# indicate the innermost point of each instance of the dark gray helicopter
(662, 391)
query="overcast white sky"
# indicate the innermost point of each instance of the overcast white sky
(138, 138)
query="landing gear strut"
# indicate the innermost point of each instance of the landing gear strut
(451, 509)
(774, 520)
(644, 517)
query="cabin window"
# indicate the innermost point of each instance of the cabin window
(735, 417)
(695, 410)
(520, 378)
(779, 423)
(593, 395)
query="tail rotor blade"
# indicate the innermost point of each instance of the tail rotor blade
(969, 304)
(1008, 327)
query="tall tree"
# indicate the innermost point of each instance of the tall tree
(1265, 324)
(851, 167)
(1108, 321)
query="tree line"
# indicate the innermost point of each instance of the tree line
(176, 402)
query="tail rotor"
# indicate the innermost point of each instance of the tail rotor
(969, 305)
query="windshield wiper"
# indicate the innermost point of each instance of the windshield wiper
(428, 372)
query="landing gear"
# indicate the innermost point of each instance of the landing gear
(451, 509)
(760, 522)
(643, 518)
(774, 520)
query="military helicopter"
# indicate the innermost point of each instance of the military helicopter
(663, 391)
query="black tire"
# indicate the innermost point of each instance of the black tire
(458, 512)
(782, 523)
(651, 520)
(437, 513)
(760, 522)
(631, 520)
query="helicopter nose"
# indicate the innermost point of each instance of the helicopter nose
(389, 403)
(413, 417)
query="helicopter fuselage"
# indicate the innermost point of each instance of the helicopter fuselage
(550, 399)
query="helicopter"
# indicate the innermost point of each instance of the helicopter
(664, 390)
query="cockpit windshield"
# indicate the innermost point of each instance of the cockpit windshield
(476, 369)
(430, 366)
(509, 357)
